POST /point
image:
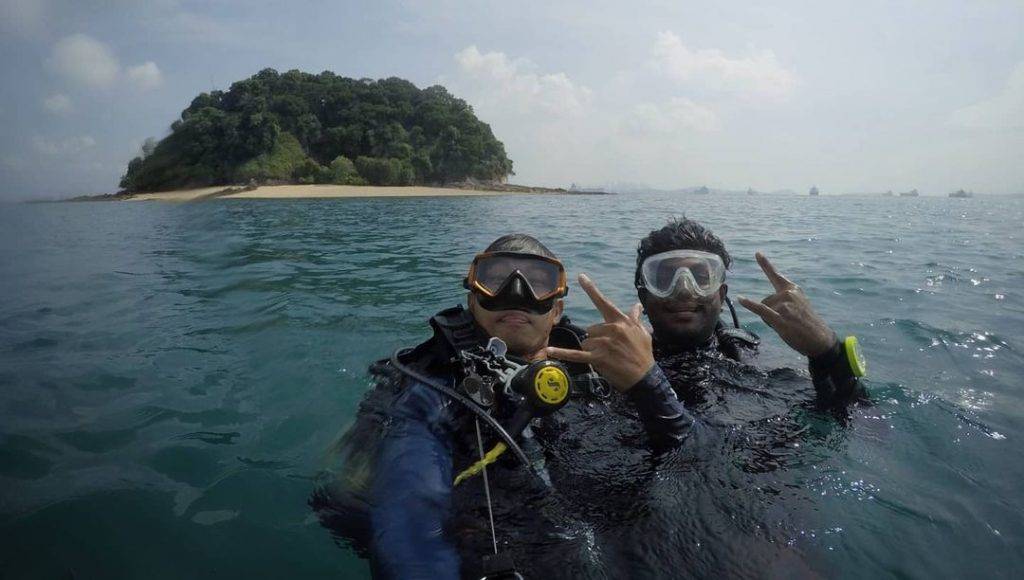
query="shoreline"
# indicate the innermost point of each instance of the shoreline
(324, 192)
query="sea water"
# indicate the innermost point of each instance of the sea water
(172, 375)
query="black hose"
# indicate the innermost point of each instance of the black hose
(732, 309)
(466, 402)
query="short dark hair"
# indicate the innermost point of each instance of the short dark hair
(680, 234)
(524, 243)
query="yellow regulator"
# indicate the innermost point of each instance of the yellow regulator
(542, 388)
(545, 384)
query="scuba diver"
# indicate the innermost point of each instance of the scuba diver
(727, 484)
(680, 281)
(427, 488)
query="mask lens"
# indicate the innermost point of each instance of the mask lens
(542, 276)
(699, 273)
(491, 273)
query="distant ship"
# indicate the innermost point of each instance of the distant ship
(962, 193)
(750, 191)
(887, 194)
(911, 193)
(814, 190)
(702, 190)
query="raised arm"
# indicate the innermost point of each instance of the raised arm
(789, 313)
(620, 350)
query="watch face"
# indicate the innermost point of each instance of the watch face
(858, 365)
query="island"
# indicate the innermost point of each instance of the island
(298, 134)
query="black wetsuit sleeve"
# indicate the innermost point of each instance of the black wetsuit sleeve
(666, 419)
(833, 378)
(412, 490)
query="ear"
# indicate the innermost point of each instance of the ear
(557, 310)
(641, 294)
(723, 292)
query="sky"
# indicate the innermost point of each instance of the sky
(863, 96)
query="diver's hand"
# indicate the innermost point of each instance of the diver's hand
(619, 348)
(788, 311)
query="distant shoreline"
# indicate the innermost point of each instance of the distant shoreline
(328, 192)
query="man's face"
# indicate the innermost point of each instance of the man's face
(525, 333)
(684, 319)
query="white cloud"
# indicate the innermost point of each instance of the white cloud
(62, 147)
(1005, 110)
(759, 75)
(89, 62)
(546, 120)
(502, 80)
(58, 104)
(145, 76)
(558, 131)
(86, 61)
(676, 118)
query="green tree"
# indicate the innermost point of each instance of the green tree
(309, 171)
(376, 170)
(343, 172)
(267, 126)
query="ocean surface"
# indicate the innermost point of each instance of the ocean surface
(173, 375)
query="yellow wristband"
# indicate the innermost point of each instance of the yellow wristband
(855, 357)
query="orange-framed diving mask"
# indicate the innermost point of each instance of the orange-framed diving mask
(516, 281)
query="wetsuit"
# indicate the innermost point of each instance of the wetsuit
(834, 382)
(729, 484)
(425, 435)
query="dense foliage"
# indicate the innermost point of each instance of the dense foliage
(305, 128)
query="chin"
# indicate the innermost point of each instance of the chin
(689, 333)
(518, 345)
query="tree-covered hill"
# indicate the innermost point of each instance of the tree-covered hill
(304, 128)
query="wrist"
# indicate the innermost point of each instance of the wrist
(843, 360)
(825, 345)
(828, 356)
(650, 378)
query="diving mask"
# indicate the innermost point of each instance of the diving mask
(516, 281)
(699, 273)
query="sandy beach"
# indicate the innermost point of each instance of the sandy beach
(316, 192)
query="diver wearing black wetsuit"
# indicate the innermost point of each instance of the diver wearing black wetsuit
(680, 280)
(710, 497)
(396, 500)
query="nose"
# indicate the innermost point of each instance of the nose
(683, 292)
(517, 287)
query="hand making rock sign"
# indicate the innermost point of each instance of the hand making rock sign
(788, 311)
(619, 348)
